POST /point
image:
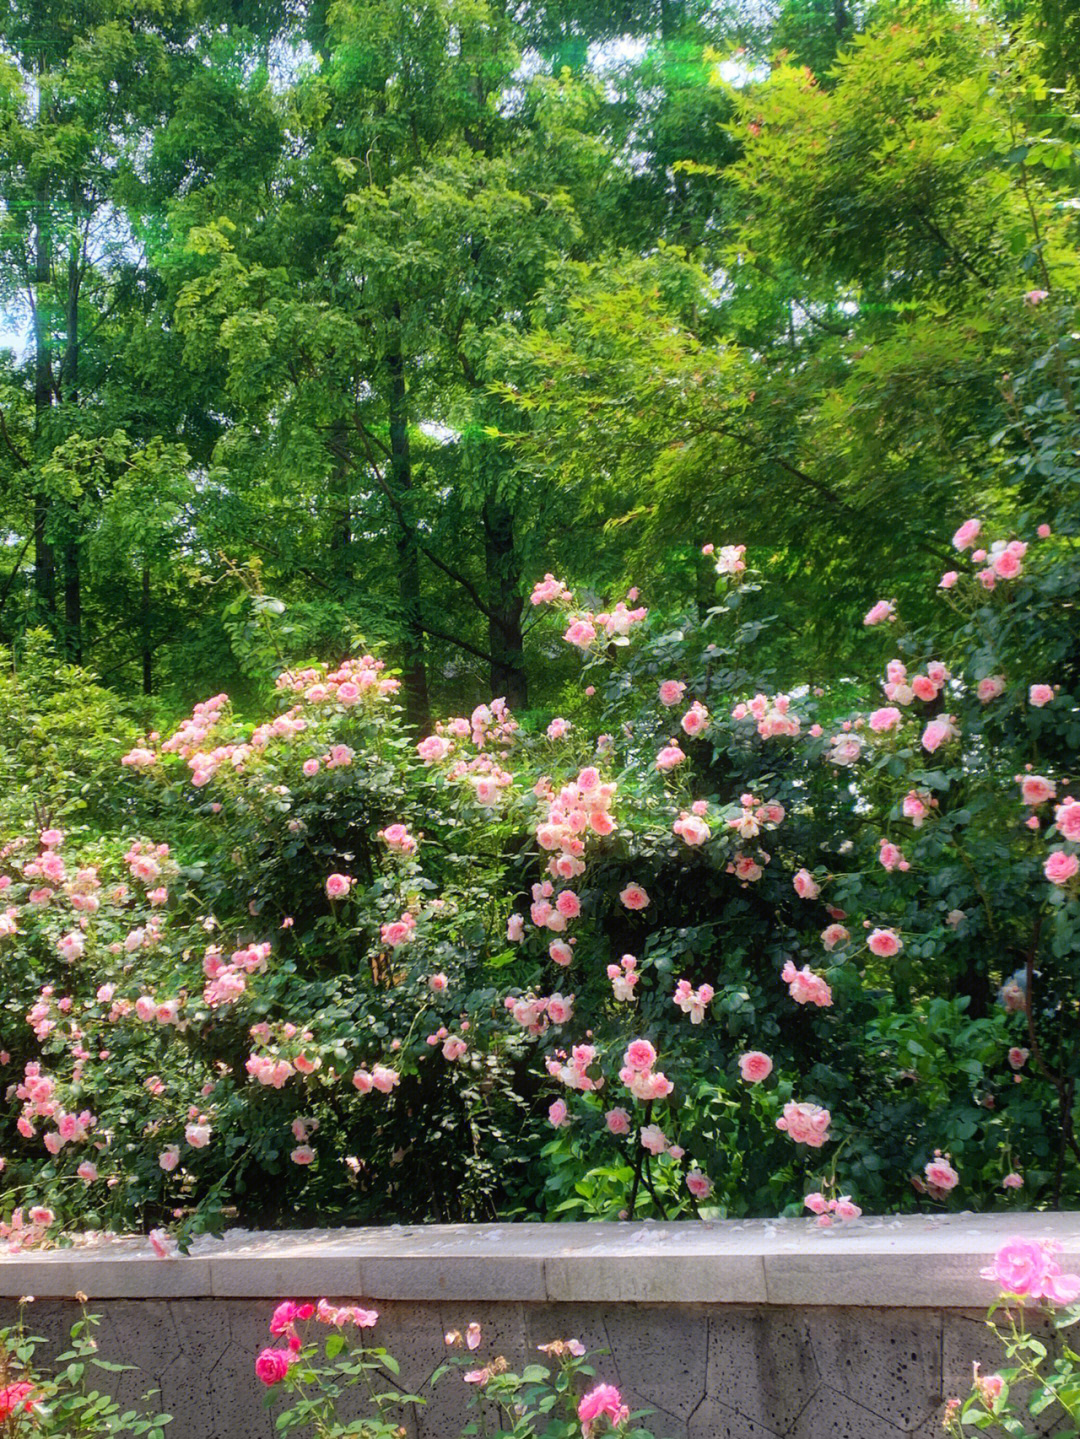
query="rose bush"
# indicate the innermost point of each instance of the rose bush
(700, 943)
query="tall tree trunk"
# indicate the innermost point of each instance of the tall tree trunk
(147, 648)
(44, 555)
(70, 376)
(414, 670)
(505, 643)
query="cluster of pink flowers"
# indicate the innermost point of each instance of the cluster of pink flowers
(691, 828)
(351, 682)
(573, 1071)
(27, 1229)
(693, 1002)
(773, 716)
(1027, 1269)
(396, 837)
(805, 1123)
(806, 987)
(638, 1075)
(752, 816)
(399, 931)
(624, 977)
(829, 1210)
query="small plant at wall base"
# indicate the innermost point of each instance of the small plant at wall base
(59, 1401)
(1042, 1380)
(538, 1403)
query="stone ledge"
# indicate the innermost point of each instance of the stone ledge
(914, 1261)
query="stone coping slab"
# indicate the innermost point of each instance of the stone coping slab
(918, 1261)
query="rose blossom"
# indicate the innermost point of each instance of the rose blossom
(754, 1066)
(603, 1401)
(884, 943)
(1061, 866)
(1039, 695)
(272, 1366)
(634, 897)
(941, 1175)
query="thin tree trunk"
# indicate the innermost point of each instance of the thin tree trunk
(44, 555)
(505, 643)
(414, 670)
(147, 649)
(70, 374)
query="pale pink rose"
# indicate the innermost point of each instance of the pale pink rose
(695, 719)
(833, 935)
(568, 904)
(1018, 1057)
(1061, 866)
(989, 688)
(197, 1135)
(1035, 789)
(1013, 1181)
(816, 1203)
(640, 1056)
(948, 580)
(670, 756)
(987, 578)
(846, 1210)
(806, 887)
(515, 928)
(940, 1173)
(936, 733)
(671, 692)
(692, 830)
(559, 728)
(1039, 695)
(169, 1158)
(884, 943)
(634, 897)
(653, 1138)
(699, 1185)
(310, 767)
(754, 1066)
(557, 1113)
(303, 1154)
(890, 856)
(885, 719)
(338, 885)
(580, 633)
(966, 534)
(617, 1121)
(383, 1079)
(805, 1124)
(882, 613)
(433, 749)
(561, 953)
(1020, 1267)
(437, 983)
(1067, 819)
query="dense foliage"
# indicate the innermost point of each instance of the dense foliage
(628, 963)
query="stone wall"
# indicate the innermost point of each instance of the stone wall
(725, 1331)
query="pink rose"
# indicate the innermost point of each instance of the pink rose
(1061, 866)
(754, 1066)
(884, 943)
(1020, 1267)
(634, 897)
(940, 1173)
(272, 1366)
(805, 1123)
(1067, 819)
(1013, 1181)
(557, 1113)
(948, 579)
(966, 534)
(338, 886)
(671, 692)
(640, 1055)
(885, 719)
(617, 1121)
(881, 613)
(603, 1401)
(1039, 695)
(806, 886)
